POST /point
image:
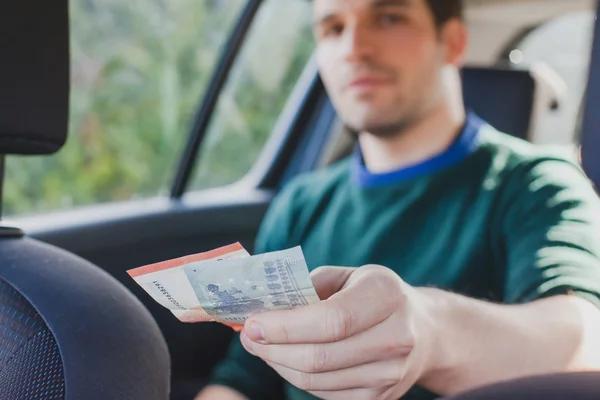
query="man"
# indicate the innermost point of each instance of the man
(487, 250)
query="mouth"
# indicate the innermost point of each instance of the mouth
(367, 83)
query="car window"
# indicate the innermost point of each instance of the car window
(564, 45)
(275, 54)
(139, 70)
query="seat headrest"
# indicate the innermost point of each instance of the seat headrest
(502, 97)
(110, 345)
(34, 76)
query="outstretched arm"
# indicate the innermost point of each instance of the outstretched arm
(380, 336)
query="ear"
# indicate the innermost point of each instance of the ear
(456, 39)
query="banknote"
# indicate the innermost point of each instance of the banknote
(167, 283)
(231, 290)
(227, 285)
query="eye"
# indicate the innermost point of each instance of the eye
(390, 19)
(333, 30)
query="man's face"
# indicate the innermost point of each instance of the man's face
(380, 60)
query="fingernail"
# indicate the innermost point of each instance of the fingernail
(246, 342)
(256, 332)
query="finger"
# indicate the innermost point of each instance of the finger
(366, 300)
(330, 280)
(373, 345)
(377, 375)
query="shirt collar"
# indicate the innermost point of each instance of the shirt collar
(462, 147)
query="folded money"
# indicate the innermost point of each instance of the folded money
(227, 285)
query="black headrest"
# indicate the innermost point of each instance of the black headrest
(502, 97)
(34, 76)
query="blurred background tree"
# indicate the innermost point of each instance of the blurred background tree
(139, 71)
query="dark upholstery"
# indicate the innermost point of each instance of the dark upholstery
(580, 386)
(34, 76)
(54, 304)
(30, 363)
(502, 97)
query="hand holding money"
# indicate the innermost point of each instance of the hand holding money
(226, 285)
(367, 339)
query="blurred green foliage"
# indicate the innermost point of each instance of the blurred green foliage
(139, 71)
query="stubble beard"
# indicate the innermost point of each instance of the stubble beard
(385, 130)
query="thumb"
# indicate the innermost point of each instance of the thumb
(330, 280)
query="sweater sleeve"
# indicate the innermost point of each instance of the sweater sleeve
(551, 234)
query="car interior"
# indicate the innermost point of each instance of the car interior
(64, 266)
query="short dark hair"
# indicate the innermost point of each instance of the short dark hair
(445, 10)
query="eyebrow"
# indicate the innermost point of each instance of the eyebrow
(375, 4)
(387, 3)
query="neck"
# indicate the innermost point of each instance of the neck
(425, 139)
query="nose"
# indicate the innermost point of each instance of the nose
(357, 43)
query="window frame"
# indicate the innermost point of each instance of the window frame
(297, 138)
(295, 145)
(230, 53)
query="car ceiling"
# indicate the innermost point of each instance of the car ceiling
(495, 23)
